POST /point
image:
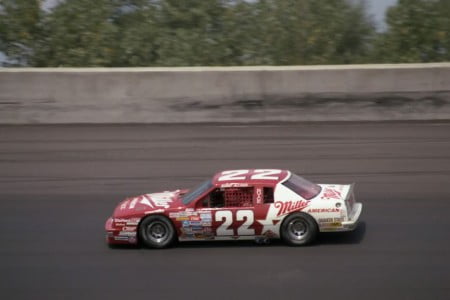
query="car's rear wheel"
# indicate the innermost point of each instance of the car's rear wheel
(299, 229)
(156, 232)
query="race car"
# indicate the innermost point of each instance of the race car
(259, 204)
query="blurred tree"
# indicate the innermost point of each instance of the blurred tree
(192, 32)
(314, 31)
(20, 29)
(418, 31)
(78, 33)
(137, 33)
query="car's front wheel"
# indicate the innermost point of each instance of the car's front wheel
(299, 229)
(156, 232)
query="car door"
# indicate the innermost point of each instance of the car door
(265, 211)
(232, 210)
(224, 213)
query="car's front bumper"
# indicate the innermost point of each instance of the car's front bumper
(120, 234)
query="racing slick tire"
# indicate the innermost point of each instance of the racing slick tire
(299, 229)
(156, 232)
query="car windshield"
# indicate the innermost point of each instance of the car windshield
(198, 191)
(303, 187)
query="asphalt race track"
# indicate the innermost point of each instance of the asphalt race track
(58, 184)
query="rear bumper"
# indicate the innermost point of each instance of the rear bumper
(353, 218)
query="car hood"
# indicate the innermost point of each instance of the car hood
(334, 191)
(148, 203)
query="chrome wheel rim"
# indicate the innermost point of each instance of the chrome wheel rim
(157, 231)
(298, 229)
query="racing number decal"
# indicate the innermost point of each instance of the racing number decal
(248, 217)
(266, 174)
(226, 216)
(233, 175)
(260, 174)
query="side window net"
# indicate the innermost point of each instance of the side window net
(238, 197)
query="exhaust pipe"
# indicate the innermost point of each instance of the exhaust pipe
(263, 241)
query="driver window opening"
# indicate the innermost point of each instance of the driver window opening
(268, 195)
(229, 197)
(216, 198)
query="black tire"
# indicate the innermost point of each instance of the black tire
(156, 232)
(299, 229)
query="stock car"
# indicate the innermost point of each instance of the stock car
(259, 204)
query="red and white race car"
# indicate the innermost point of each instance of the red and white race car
(260, 204)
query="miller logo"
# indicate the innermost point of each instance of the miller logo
(290, 206)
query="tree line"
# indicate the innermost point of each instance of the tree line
(131, 33)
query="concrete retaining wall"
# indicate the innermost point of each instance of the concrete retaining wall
(247, 94)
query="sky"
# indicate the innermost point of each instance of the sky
(377, 8)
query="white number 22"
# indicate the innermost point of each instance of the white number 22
(227, 217)
(259, 174)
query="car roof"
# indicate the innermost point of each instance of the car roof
(244, 177)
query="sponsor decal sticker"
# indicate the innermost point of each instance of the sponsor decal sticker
(186, 230)
(325, 220)
(332, 225)
(206, 216)
(122, 221)
(231, 184)
(290, 206)
(129, 228)
(259, 197)
(323, 210)
(127, 233)
(196, 223)
(182, 215)
(331, 194)
(133, 221)
(330, 222)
